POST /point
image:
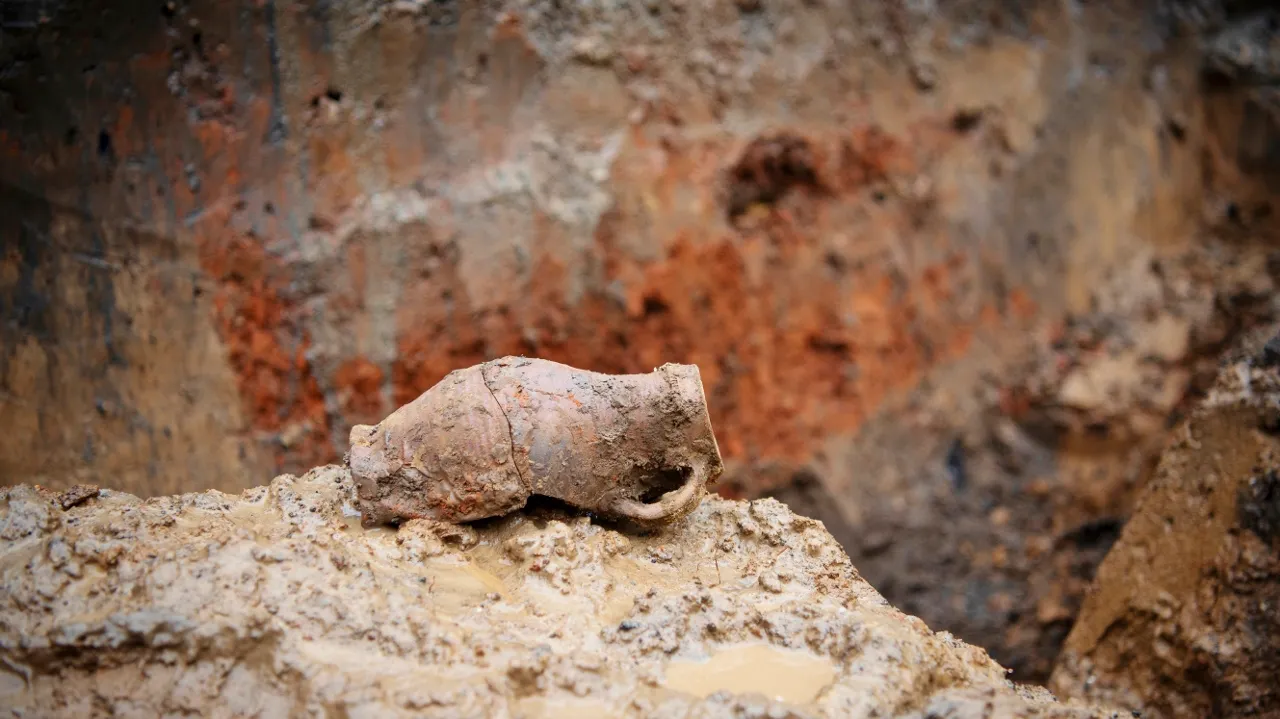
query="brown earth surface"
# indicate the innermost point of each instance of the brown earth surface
(1036, 471)
(1184, 616)
(277, 602)
(950, 270)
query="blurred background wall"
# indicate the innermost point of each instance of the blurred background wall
(949, 270)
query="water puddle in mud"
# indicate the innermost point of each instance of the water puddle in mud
(351, 518)
(456, 583)
(563, 708)
(250, 513)
(486, 578)
(784, 674)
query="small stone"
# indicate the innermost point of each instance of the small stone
(999, 516)
(77, 495)
(1079, 391)
(1270, 355)
(593, 50)
(637, 59)
(1167, 339)
(770, 581)
(1000, 557)
(924, 76)
(269, 555)
(813, 547)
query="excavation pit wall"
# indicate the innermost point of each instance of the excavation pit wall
(943, 274)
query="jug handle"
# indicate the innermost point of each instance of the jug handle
(670, 506)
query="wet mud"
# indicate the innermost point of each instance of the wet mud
(278, 602)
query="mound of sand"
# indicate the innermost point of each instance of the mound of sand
(276, 602)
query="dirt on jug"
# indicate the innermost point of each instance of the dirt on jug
(486, 438)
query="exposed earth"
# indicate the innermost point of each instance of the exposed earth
(1182, 621)
(276, 602)
(951, 271)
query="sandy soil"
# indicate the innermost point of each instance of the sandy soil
(1182, 620)
(277, 602)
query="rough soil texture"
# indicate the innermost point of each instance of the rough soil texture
(277, 603)
(637, 447)
(1184, 616)
(911, 246)
(321, 211)
(1035, 469)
